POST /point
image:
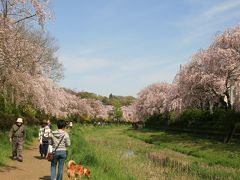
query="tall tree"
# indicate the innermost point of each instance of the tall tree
(152, 100)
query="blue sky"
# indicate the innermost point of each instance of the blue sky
(121, 46)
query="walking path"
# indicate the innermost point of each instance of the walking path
(32, 167)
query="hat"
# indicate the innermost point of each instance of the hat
(19, 120)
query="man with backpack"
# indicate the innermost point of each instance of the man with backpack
(44, 134)
(17, 136)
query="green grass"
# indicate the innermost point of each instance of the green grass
(5, 148)
(5, 145)
(86, 151)
(210, 151)
(117, 152)
(211, 158)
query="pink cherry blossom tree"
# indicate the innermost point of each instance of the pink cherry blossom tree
(130, 113)
(152, 100)
(16, 11)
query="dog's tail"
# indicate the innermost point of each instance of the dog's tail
(71, 162)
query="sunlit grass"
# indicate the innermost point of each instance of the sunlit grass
(209, 158)
(119, 153)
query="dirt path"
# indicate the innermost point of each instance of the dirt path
(32, 168)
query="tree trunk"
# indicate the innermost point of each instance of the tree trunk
(211, 107)
(229, 136)
(229, 106)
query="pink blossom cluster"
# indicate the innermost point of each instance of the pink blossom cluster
(14, 11)
(130, 113)
(152, 100)
(45, 94)
(212, 75)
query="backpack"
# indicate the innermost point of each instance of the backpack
(46, 134)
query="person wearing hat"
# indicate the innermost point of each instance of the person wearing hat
(17, 136)
(44, 134)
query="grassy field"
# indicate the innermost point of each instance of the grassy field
(117, 152)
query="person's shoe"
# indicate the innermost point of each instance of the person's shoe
(14, 158)
(20, 159)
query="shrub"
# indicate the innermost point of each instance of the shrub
(6, 120)
(29, 111)
(41, 115)
(194, 117)
(6, 106)
(173, 117)
(31, 133)
(30, 120)
(156, 121)
(221, 120)
(225, 119)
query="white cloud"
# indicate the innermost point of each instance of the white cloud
(210, 21)
(93, 49)
(212, 15)
(122, 78)
(222, 8)
(82, 64)
(141, 64)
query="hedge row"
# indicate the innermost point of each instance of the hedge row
(221, 120)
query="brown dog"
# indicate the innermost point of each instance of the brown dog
(75, 171)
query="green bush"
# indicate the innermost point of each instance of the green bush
(30, 120)
(31, 133)
(6, 120)
(223, 118)
(29, 111)
(41, 115)
(194, 117)
(173, 117)
(156, 121)
(6, 106)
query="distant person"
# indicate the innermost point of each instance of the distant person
(44, 136)
(59, 140)
(49, 124)
(17, 136)
(70, 124)
(67, 124)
